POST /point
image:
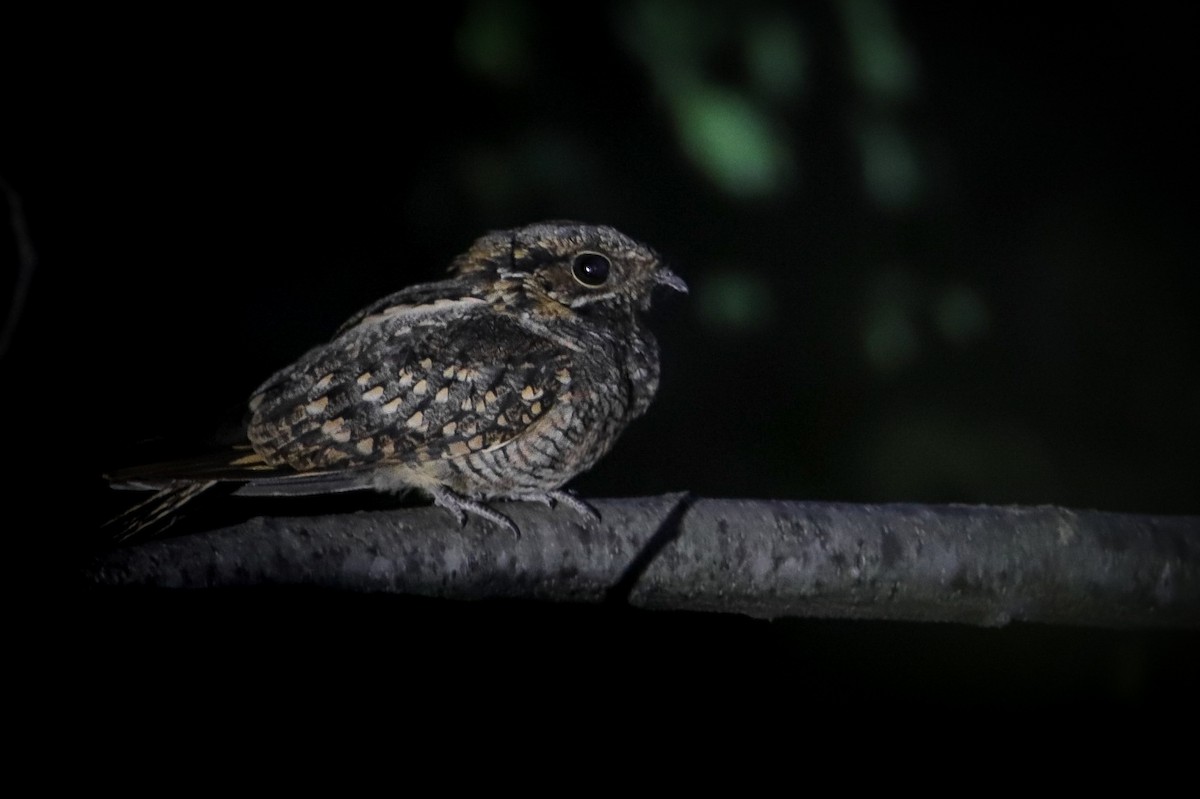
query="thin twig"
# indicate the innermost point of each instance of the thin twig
(26, 261)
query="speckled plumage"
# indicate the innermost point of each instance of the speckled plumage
(505, 380)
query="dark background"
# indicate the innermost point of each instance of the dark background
(938, 253)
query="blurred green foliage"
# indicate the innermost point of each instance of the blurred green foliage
(493, 40)
(733, 301)
(726, 131)
(881, 58)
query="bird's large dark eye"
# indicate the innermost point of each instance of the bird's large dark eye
(591, 268)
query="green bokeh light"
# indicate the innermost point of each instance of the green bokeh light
(882, 61)
(731, 134)
(891, 171)
(961, 315)
(735, 300)
(775, 57)
(493, 39)
(732, 141)
(890, 337)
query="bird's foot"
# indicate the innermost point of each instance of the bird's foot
(552, 498)
(460, 506)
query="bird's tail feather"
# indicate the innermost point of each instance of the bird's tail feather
(156, 512)
(175, 483)
(237, 464)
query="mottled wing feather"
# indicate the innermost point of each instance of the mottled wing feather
(424, 295)
(400, 391)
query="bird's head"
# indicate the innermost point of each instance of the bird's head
(572, 263)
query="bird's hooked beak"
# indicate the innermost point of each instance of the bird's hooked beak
(666, 277)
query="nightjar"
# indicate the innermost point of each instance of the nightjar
(503, 381)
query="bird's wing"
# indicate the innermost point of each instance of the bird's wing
(407, 385)
(403, 388)
(424, 306)
(442, 298)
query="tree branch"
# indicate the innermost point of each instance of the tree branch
(973, 564)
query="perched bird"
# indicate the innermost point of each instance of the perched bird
(503, 381)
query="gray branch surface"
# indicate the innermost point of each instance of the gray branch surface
(971, 564)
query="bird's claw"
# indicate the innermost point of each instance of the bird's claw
(460, 506)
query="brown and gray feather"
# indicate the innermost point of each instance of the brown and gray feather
(505, 380)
